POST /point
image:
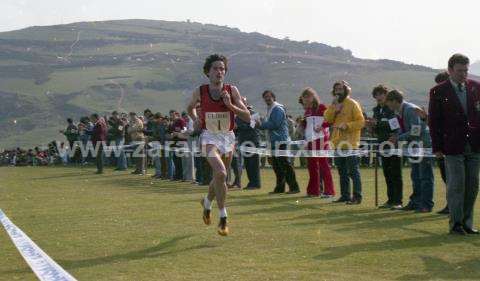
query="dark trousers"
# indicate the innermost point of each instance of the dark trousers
(392, 171)
(198, 163)
(284, 172)
(99, 157)
(349, 168)
(441, 166)
(252, 166)
(163, 164)
(237, 170)
(177, 161)
(75, 158)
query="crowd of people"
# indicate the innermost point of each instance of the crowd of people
(223, 125)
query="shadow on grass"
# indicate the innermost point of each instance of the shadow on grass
(79, 174)
(166, 248)
(392, 222)
(354, 220)
(154, 186)
(438, 269)
(435, 240)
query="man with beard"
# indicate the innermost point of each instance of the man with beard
(346, 117)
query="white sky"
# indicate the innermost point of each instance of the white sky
(414, 31)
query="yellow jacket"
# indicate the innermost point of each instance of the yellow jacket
(351, 115)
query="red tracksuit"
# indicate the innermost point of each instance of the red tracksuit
(318, 167)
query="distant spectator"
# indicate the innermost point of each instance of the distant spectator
(137, 135)
(71, 133)
(99, 136)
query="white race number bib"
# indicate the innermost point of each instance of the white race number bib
(217, 122)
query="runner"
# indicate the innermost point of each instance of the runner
(219, 103)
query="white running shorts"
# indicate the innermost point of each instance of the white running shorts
(224, 141)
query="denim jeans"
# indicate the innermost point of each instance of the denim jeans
(348, 168)
(121, 159)
(422, 184)
(158, 165)
(170, 164)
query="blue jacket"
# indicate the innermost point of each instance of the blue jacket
(410, 119)
(277, 125)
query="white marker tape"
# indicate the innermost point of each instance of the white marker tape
(41, 264)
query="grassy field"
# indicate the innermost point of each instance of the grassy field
(118, 226)
(78, 79)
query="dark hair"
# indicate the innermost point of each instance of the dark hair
(458, 59)
(115, 113)
(95, 115)
(211, 59)
(379, 90)
(346, 87)
(132, 114)
(147, 111)
(158, 115)
(441, 77)
(269, 92)
(69, 120)
(395, 95)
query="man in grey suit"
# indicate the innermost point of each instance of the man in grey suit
(454, 116)
(415, 133)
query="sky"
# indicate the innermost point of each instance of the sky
(425, 32)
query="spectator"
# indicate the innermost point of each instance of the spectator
(392, 165)
(71, 133)
(454, 116)
(317, 137)
(176, 127)
(117, 132)
(415, 132)
(99, 136)
(159, 135)
(276, 124)
(135, 130)
(85, 131)
(346, 117)
(440, 78)
(187, 140)
(248, 136)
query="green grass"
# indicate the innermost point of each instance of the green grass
(78, 79)
(32, 138)
(123, 227)
(170, 48)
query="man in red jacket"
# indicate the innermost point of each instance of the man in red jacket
(99, 136)
(454, 120)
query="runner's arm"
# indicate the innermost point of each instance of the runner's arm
(237, 106)
(192, 104)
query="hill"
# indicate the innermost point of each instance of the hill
(53, 72)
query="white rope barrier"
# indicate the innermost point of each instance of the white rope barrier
(41, 264)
